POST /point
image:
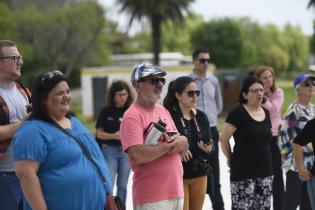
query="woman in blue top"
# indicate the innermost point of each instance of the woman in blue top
(53, 171)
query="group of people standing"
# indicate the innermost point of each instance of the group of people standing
(49, 160)
(52, 161)
(266, 143)
(183, 167)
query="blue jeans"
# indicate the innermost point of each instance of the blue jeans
(311, 191)
(10, 192)
(118, 164)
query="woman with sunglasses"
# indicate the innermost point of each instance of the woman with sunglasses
(250, 161)
(181, 100)
(274, 101)
(294, 120)
(53, 170)
(119, 99)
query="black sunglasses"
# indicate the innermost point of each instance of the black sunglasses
(309, 83)
(49, 75)
(13, 57)
(155, 81)
(192, 93)
(204, 60)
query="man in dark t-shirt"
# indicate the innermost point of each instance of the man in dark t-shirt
(306, 136)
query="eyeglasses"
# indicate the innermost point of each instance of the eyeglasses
(258, 90)
(193, 93)
(49, 75)
(309, 83)
(155, 81)
(14, 58)
(204, 60)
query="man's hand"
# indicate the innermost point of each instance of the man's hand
(175, 143)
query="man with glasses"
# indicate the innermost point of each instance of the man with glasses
(210, 102)
(13, 105)
(158, 172)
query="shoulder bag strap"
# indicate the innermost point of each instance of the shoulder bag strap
(86, 153)
(199, 133)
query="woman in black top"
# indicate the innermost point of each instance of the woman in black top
(250, 161)
(181, 101)
(119, 98)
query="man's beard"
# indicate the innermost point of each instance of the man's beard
(150, 97)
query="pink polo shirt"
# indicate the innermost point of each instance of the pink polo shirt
(161, 179)
(274, 104)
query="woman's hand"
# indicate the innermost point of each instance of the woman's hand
(205, 147)
(304, 175)
(186, 155)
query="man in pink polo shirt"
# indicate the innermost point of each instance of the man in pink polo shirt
(158, 173)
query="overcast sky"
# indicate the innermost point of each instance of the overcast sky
(278, 12)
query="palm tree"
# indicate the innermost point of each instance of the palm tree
(156, 11)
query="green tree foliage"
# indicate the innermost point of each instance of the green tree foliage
(297, 46)
(224, 39)
(63, 34)
(5, 23)
(156, 12)
(176, 37)
(242, 43)
(63, 37)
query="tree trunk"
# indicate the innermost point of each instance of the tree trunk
(156, 38)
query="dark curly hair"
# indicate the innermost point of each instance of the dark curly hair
(247, 82)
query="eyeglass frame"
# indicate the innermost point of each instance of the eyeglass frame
(14, 58)
(256, 91)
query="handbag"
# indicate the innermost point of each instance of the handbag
(112, 202)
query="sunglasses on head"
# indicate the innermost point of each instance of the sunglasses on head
(49, 75)
(204, 60)
(193, 93)
(309, 83)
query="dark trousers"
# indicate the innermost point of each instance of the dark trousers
(213, 186)
(278, 183)
(11, 197)
(296, 193)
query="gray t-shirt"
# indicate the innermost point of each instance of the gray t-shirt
(16, 102)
